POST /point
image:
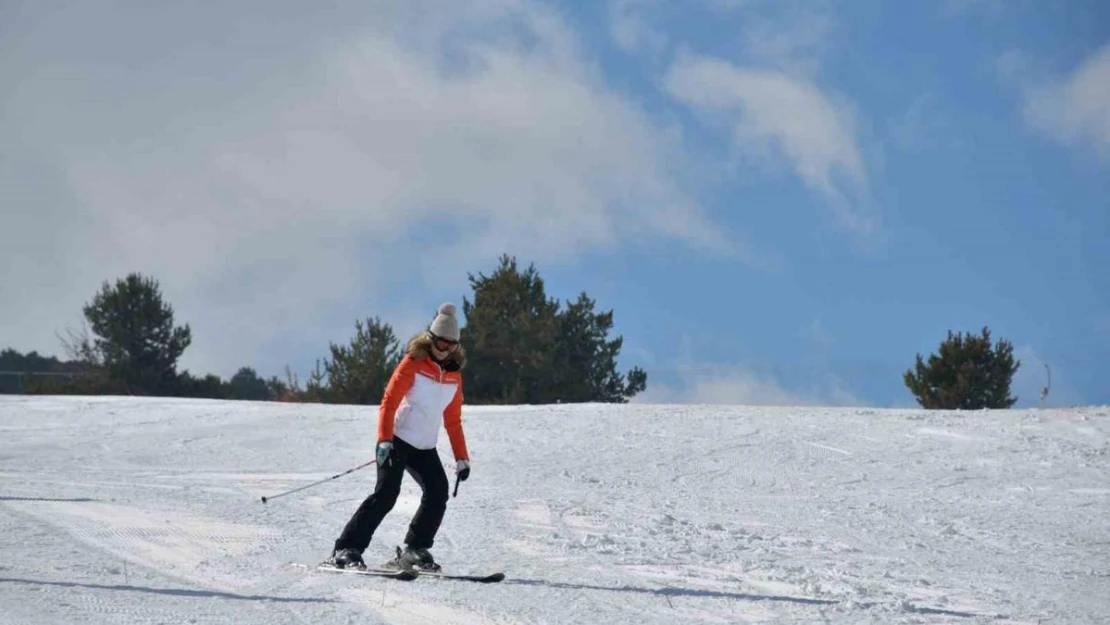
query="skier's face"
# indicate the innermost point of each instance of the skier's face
(443, 347)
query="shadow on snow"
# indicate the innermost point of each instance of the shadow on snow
(75, 500)
(677, 592)
(179, 592)
(671, 591)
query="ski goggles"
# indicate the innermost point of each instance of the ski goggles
(442, 344)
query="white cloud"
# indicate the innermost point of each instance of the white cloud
(923, 125)
(689, 379)
(790, 35)
(735, 385)
(791, 116)
(795, 43)
(1075, 109)
(278, 184)
(632, 29)
(817, 336)
(728, 386)
(765, 91)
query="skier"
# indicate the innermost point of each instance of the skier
(424, 389)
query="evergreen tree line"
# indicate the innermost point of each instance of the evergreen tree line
(522, 348)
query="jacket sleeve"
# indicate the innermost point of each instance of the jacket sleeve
(452, 421)
(399, 384)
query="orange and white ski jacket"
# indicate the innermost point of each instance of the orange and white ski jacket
(420, 395)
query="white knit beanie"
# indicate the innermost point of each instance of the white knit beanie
(445, 325)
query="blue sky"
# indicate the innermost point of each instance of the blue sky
(783, 202)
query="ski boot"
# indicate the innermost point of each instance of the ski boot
(418, 559)
(346, 559)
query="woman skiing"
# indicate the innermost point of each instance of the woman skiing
(424, 391)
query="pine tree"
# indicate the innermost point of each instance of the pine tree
(136, 337)
(584, 367)
(510, 327)
(522, 349)
(358, 373)
(246, 384)
(966, 375)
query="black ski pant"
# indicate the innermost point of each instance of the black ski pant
(424, 466)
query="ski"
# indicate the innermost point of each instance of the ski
(489, 578)
(391, 573)
(408, 575)
(390, 570)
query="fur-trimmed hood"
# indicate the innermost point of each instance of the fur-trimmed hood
(420, 347)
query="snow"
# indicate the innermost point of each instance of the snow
(142, 511)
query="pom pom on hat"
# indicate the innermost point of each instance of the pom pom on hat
(445, 325)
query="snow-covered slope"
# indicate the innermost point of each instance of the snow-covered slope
(145, 511)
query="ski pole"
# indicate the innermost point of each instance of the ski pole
(337, 475)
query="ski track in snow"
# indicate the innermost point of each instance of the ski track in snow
(143, 511)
